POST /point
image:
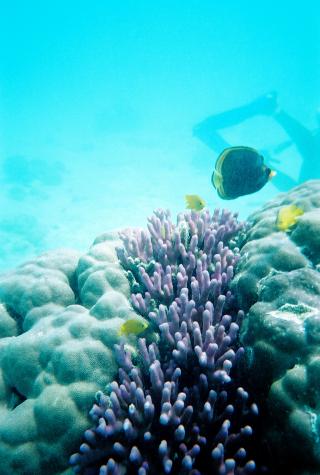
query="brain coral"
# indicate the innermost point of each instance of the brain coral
(278, 282)
(59, 320)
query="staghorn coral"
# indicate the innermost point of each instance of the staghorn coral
(168, 258)
(176, 408)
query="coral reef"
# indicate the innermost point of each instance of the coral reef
(177, 404)
(278, 282)
(177, 410)
(59, 320)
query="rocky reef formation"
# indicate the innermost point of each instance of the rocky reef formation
(60, 316)
(59, 320)
(278, 284)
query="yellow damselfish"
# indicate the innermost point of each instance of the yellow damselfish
(287, 217)
(133, 326)
(194, 202)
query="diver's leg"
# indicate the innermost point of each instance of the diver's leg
(283, 182)
(265, 104)
(211, 138)
(300, 135)
(304, 141)
(207, 129)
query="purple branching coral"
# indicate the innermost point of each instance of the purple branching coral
(176, 408)
(168, 258)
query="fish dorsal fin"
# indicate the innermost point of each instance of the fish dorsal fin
(216, 179)
(226, 152)
(220, 160)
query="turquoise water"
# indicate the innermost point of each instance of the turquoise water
(99, 101)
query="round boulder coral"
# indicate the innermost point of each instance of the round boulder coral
(59, 319)
(278, 282)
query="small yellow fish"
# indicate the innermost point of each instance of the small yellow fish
(287, 217)
(133, 326)
(194, 202)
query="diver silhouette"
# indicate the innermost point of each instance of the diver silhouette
(306, 141)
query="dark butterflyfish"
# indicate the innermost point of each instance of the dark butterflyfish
(240, 171)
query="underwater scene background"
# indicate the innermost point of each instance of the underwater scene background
(160, 238)
(99, 102)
